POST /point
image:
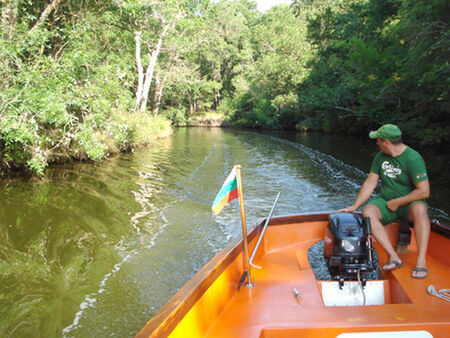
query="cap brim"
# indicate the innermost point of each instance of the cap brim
(373, 134)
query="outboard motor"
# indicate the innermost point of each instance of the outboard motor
(348, 248)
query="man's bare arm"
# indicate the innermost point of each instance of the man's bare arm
(366, 190)
(421, 192)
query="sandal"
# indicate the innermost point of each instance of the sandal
(417, 270)
(396, 264)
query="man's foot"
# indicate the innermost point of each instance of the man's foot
(392, 265)
(419, 273)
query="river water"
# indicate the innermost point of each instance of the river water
(95, 249)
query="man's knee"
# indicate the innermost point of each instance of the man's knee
(371, 211)
(418, 212)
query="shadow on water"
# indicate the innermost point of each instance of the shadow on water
(95, 249)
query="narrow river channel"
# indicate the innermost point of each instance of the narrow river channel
(95, 249)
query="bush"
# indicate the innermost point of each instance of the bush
(178, 116)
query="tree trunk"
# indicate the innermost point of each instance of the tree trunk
(159, 87)
(150, 69)
(44, 15)
(9, 18)
(140, 69)
(148, 79)
(216, 98)
(8, 31)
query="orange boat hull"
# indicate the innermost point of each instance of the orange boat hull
(210, 305)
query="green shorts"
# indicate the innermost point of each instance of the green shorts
(388, 216)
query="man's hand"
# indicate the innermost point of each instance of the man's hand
(366, 190)
(392, 205)
(421, 192)
(348, 209)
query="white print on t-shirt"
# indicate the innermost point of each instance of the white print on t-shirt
(390, 170)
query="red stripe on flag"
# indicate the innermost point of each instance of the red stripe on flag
(232, 195)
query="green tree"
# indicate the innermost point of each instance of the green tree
(67, 70)
(266, 90)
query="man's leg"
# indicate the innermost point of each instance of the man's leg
(418, 214)
(380, 234)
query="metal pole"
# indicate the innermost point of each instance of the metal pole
(244, 227)
(264, 229)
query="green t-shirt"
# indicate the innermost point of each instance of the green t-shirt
(399, 174)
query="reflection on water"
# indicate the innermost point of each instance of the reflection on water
(95, 249)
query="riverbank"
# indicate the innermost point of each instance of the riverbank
(131, 132)
(210, 119)
(108, 139)
(139, 130)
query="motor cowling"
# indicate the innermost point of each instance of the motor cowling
(348, 247)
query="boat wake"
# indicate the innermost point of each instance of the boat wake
(91, 299)
(146, 241)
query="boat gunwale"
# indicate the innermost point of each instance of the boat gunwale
(440, 228)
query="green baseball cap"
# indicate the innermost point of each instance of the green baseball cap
(387, 132)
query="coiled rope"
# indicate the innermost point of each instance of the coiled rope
(443, 293)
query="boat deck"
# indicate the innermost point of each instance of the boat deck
(270, 308)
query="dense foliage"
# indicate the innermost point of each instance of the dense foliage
(83, 79)
(379, 61)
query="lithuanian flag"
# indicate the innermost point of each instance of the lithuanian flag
(227, 193)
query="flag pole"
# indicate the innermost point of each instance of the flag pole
(244, 227)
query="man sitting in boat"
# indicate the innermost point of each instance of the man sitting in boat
(405, 187)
